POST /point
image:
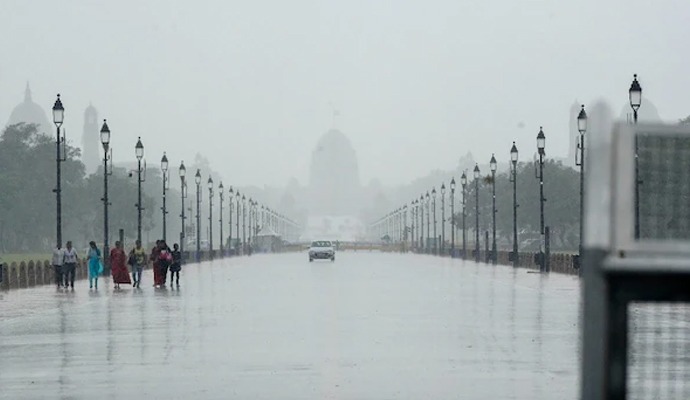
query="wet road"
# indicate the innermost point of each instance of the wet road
(369, 326)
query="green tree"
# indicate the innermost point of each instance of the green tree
(561, 209)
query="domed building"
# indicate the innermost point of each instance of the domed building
(647, 112)
(334, 185)
(29, 112)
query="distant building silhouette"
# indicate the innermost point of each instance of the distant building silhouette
(90, 140)
(334, 185)
(29, 112)
(647, 112)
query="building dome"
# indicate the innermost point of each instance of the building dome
(647, 112)
(334, 175)
(29, 112)
(91, 114)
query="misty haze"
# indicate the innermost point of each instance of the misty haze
(344, 199)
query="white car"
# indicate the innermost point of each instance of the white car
(321, 250)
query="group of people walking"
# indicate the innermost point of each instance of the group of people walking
(161, 257)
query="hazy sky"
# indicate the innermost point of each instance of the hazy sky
(418, 83)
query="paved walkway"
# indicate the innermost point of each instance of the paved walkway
(369, 326)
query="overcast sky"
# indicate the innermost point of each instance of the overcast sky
(250, 84)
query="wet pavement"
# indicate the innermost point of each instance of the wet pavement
(369, 326)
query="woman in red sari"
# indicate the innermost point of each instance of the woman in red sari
(118, 267)
(155, 259)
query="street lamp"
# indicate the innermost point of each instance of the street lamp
(237, 226)
(107, 170)
(635, 96)
(404, 227)
(164, 172)
(197, 180)
(463, 183)
(139, 152)
(428, 222)
(210, 216)
(415, 227)
(231, 202)
(541, 144)
(421, 230)
(443, 218)
(221, 195)
(58, 119)
(582, 128)
(250, 218)
(244, 224)
(513, 179)
(476, 214)
(433, 199)
(183, 195)
(452, 217)
(493, 166)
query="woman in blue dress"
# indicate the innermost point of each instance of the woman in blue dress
(95, 266)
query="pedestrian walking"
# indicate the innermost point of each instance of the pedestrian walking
(118, 267)
(69, 264)
(95, 264)
(155, 260)
(164, 261)
(137, 259)
(58, 260)
(176, 265)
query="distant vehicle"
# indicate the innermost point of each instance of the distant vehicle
(321, 250)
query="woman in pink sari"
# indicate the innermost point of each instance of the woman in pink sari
(118, 267)
(155, 259)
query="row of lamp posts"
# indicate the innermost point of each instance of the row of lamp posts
(259, 214)
(418, 205)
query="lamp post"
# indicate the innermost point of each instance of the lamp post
(164, 171)
(197, 180)
(413, 222)
(433, 200)
(221, 195)
(139, 152)
(493, 166)
(635, 96)
(210, 216)
(231, 202)
(404, 227)
(452, 217)
(428, 222)
(244, 223)
(463, 183)
(257, 221)
(107, 156)
(58, 119)
(183, 195)
(250, 220)
(237, 226)
(443, 218)
(582, 128)
(513, 179)
(421, 220)
(541, 144)
(476, 213)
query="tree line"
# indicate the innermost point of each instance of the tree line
(561, 209)
(27, 197)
